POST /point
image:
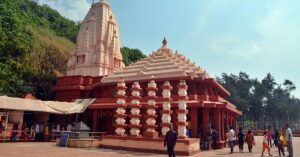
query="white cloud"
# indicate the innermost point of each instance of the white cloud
(280, 36)
(72, 9)
(233, 45)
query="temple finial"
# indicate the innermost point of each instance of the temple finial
(165, 42)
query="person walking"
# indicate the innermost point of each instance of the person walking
(241, 139)
(280, 147)
(289, 139)
(214, 137)
(231, 136)
(170, 141)
(269, 138)
(250, 140)
(282, 137)
(265, 145)
(276, 137)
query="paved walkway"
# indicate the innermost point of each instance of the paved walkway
(47, 150)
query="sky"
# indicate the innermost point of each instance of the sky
(221, 36)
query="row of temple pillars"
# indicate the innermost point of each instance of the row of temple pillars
(151, 116)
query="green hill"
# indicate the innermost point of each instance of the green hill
(35, 41)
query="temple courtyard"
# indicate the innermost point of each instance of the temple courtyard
(48, 150)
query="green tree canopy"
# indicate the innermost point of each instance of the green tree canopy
(131, 55)
(34, 41)
(262, 99)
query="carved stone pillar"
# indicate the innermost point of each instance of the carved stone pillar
(182, 111)
(194, 122)
(166, 112)
(205, 119)
(95, 120)
(135, 110)
(151, 112)
(120, 112)
(218, 127)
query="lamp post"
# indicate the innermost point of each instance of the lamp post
(288, 116)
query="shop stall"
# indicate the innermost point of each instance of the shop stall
(25, 119)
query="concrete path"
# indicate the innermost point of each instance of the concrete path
(47, 150)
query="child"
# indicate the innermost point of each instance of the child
(265, 144)
(241, 140)
(250, 140)
(280, 147)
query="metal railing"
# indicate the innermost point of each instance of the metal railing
(20, 135)
(263, 125)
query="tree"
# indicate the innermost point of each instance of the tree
(131, 55)
(34, 41)
(262, 100)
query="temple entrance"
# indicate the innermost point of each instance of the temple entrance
(200, 123)
(105, 122)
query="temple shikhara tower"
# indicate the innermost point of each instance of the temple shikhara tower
(97, 50)
(136, 104)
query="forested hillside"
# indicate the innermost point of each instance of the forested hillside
(262, 100)
(35, 44)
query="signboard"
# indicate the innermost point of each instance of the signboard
(63, 140)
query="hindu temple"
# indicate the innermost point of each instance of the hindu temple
(135, 104)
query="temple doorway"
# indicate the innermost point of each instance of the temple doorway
(200, 123)
(105, 122)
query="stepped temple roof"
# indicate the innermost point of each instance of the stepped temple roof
(163, 63)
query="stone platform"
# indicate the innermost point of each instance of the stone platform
(82, 143)
(183, 147)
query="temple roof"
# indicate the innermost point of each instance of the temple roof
(163, 63)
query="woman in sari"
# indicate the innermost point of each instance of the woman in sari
(282, 137)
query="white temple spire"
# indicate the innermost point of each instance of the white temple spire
(97, 50)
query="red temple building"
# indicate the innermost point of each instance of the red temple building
(142, 99)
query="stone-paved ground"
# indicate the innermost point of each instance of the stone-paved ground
(47, 150)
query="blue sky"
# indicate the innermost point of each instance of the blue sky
(228, 36)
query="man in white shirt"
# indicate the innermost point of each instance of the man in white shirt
(231, 139)
(58, 127)
(37, 132)
(37, 128)
(69, 127)
(289, 139)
